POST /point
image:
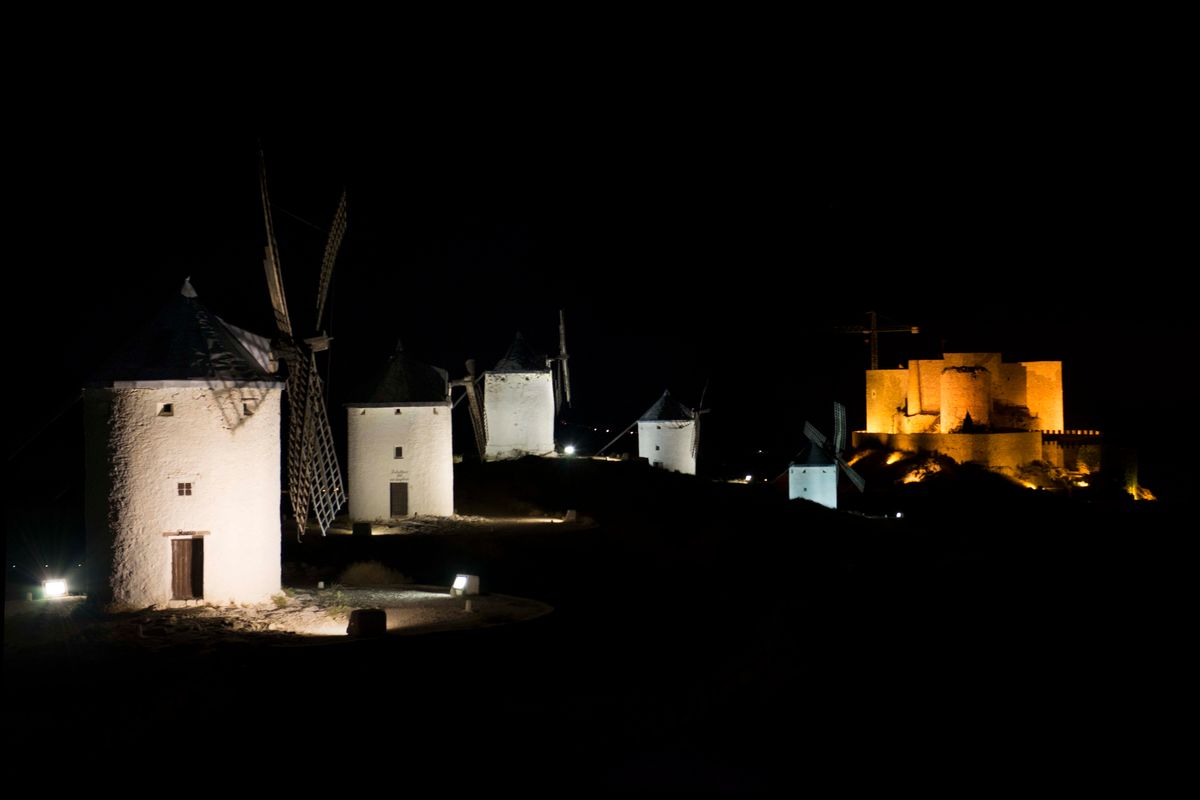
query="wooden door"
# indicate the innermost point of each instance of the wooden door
(187, 569)
(399, 499)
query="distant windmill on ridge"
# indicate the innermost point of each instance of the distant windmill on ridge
(669, 434)
(814, 475)
(313, 478)
(514, 413)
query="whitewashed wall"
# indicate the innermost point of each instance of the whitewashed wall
(424, 431)
(135, 459)
(815, 483)
(669, 443)
(519, 407)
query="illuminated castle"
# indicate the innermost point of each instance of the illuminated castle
(181, 445)
(401, 461)
(973, 407)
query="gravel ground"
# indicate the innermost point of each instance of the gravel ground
(297, 616)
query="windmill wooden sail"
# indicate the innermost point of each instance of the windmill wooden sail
(558, 364)
(839, 443)
(314, 479)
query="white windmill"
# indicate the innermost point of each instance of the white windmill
(401, 460)
(182, 464)
(813, 476)
(522, 396)
(313, 478)
(669, 435)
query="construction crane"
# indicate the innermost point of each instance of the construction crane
(872, 331)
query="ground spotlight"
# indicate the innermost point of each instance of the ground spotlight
(55, 587)
(465, 585)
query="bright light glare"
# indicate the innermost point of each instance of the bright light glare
(749, 478)
(55, 588)
(465, 585)
(569, 449)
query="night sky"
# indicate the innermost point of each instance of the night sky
(715, 233)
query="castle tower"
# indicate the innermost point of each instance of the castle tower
(518, 405)
(401, 460)
(813, 477)
(183, 464)
(666, 436)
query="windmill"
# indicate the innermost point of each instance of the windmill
(839, 444)
(314, 479)
(558, 365)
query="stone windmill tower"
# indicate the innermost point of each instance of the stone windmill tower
(401, 459)
(518, 404)
(669, 435)
(814, 475)
(182, 444)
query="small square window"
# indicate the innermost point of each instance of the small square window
(166, 409)
(185, 489)
(656, 447)
(399, 452)
(247, 410)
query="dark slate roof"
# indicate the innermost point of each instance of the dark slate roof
(812, 456)
(406, 380)
(666, 409)
(520, 358)
(184, 341)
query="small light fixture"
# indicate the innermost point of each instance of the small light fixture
(569, 449)
(464, 585)
(55, 587)
(749, 478)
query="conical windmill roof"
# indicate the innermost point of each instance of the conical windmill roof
(666, 409)
(406, 380)
(186, 341)
(813, 456)
(521, 358)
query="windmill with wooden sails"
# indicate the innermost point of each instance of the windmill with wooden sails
(314, 480)
(514, 411)
(814, 474)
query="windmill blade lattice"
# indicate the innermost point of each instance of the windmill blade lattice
(334, 243)
(324, 478)
(839, 428)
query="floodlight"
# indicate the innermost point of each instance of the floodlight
(464, 585)
(56, 587)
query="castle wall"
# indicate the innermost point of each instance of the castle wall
(989, 449)
(925, 386)
(965, 391)
(1044, 393)
(426, 464)
(519, 408)
(668, 445)
(224, 443)
(887, 391)
(1008, 385)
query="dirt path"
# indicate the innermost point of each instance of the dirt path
(296, 616)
